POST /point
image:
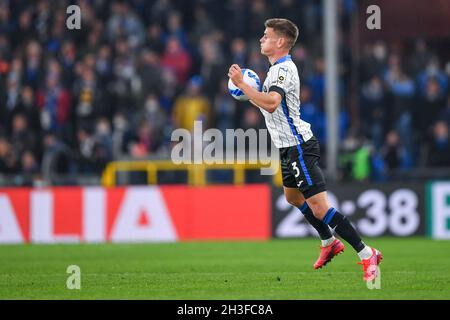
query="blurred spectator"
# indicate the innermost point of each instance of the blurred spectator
(25, 29)
(23, 104)
(27, 106)
(117, 87)
(95, 38)
(43, 18)
(354, 159)
(394, 153)
(212, 68)
(176, 59)
(85, 151)
(224, 108)
(57, 158)
(238, 52)
(252, 119)
(125, 77)
(8, 159)
(160, 11)
(121, 135)
(432, 71)
(259, 13)
(125, 23)
(445, 113)
(303, 61)
(289, 9)
(144, 143)
(169, 90)
(29, 164)
(401, 90)
(56, 36)
(156, 118)
(310, 18)
(103, 65)
(103, 149)
(429, 108)
(154, 39)
(420, 57)
(175, 30)
(29, 168)
(5, 53)
(439, 152)
(310, 112)
(203, 24)
(6, 25)
(374, 60)
(54, 103)
(317, 82)
(22, 137)
(397, 81)
(258, 63)
(11, 100)
(67, 59)
(150, 73)
(373, 110)
(33, 72)
(87, 99)
(237, 11)
(192, 106)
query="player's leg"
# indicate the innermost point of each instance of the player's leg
(296, 198)
(341, 225)
(294, 181)
(323, 211)
(312, 185)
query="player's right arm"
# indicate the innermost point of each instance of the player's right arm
(268, 102)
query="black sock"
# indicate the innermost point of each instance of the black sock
(320, 226)
(343, 228)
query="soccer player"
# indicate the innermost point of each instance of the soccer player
(303, 180)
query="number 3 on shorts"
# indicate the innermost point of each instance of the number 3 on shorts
(297, 171)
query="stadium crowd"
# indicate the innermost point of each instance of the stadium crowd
(73, 100)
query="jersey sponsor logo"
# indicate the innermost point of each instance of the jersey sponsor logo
(282, 74)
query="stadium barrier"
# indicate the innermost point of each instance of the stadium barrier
(134, 214)
(388, 209)
(180, 213)
(196, 172)
(438, 209)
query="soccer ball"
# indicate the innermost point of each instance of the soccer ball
(250, 78)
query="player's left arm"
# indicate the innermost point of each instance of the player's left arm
(268, 102)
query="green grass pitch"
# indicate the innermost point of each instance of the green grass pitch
(414, 268)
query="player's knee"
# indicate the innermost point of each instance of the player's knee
(294, 201)
(318, 210)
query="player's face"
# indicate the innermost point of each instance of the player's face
(268, 42)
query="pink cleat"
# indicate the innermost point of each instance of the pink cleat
(327, 253)
(370, 266)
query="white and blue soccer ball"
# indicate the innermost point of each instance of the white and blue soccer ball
(250, 78)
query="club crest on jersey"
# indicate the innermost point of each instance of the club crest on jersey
(280, 79)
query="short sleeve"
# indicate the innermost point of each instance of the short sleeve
(279, 80)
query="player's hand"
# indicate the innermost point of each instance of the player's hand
(235, 74)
